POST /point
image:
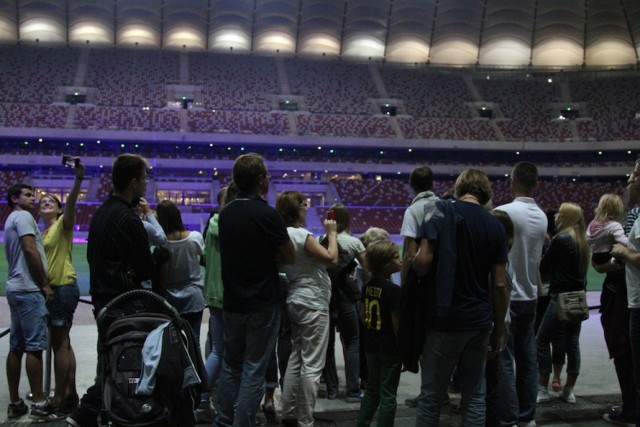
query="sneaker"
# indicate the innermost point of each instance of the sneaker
(45, 413)
(354, 398)
(412, 402)
(567, 395)
(205, 414)
(543, 395)
(16, 410)
(79, 418)
(531, 423)
(619, 419)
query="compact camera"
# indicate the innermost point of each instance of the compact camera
(70, 161)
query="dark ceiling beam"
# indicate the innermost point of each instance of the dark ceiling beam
(433, 28)
(633, 37)
(344, 22)
(481, 35)
(386, 33)
(533, 31)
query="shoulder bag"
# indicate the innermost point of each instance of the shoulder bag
(572, 306)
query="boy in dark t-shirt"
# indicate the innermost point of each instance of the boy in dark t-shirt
(381, 317)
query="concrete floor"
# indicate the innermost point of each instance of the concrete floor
(596, 389)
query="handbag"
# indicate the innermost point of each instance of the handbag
(572, 306)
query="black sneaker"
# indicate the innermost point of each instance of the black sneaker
(45, 413)
(412, 402)
(619, 419)
(16, 410)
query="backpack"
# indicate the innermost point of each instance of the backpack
(342, 275)
(173, 398)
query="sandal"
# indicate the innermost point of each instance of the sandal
(556, 385)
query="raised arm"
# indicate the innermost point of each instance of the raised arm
(154, 230)
(328, 256)
(69, 213)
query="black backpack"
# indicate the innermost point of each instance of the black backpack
(342, 275)
(174, 398)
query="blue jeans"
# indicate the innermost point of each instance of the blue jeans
(249, 341)
(28, 321)
(442, 352)
(519, 387)
(548, 327)
(213, 364)
(350, 336)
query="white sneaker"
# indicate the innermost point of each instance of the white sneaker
(543, 395)
(567, 395)
(531, 423)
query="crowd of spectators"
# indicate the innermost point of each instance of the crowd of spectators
(130, 90)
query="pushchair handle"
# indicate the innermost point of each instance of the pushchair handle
(137, 293)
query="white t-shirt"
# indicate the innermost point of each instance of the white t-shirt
(351, 244)
(530, 227)
(21, 223)
(184, 284)
(420, 210)
(632, 272)
(308, 281)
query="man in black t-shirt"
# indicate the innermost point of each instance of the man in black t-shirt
(119, 259)
(253, 239)
(464, 250)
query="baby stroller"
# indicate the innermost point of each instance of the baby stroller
(152, 373)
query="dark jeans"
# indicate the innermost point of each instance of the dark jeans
(382, 389)
(249, 341)
(347, 324)
(558, 349)
(518, 366)
(284, 345)
(550, 323)
(634, 334)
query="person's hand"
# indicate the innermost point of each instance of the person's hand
(496, 342)
(47, 292)
(330, 226)
(618, 251)
(144, 207)
(79, 170)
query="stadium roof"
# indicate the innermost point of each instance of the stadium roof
(545, 33)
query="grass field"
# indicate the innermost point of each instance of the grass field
(594, 279)
(79, 262)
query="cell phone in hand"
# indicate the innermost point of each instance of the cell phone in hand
(70, 161)
(331, 214)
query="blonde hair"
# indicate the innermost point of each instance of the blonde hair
(571, 221)
(476, 183)
(372, 235)
(378, 255)
(609, 207)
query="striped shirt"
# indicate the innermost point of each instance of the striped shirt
(631, 219)
(118, 252)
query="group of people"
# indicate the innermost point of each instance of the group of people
(463, 296)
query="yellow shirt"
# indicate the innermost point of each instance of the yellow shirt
(57, 248)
